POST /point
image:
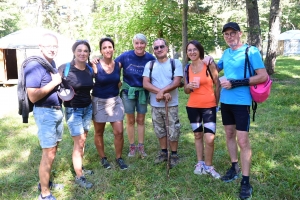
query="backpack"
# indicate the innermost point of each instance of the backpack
(67, 69)
(173, 69)
(186, 72)
(259, 92)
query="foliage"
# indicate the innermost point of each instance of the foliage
(9, 15)
(273, 136)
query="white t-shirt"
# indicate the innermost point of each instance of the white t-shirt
(161, 77)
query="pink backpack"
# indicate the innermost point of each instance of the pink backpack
(259, 92)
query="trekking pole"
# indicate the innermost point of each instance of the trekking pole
(168, 142)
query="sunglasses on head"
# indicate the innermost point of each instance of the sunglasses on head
(160, 46)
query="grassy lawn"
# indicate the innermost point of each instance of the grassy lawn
(275, 145)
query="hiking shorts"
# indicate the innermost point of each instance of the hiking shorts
(50, 125)
(159, 123)
(238, 115)
(130, 105)
(78, 119)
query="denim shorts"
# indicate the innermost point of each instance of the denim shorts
(130, 105)
(78, 119)
(50, 126)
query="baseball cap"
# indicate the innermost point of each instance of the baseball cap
(232, 25)
(65, 91)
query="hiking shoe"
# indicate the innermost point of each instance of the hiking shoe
(199, 169)
(132, 150)
(174, 160)
(105, 163)
(54, 186)
(142, 151)
(211, 170)
(87, 171)
(49, 197)
(246, 191)
(161, 157)
(231, 175)
(82, 182)
(121, 164)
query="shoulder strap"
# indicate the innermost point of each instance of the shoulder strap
(151, 68)
(90, 68)
(66, 70)
(208, 70)
(173, 67)
(186, 73)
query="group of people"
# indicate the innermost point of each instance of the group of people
(144, 77)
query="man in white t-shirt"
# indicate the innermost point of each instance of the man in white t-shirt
(162, 85)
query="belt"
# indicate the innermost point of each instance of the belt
(51, 107)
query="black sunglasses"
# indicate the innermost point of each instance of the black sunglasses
(157, 47)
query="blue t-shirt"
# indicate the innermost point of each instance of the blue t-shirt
(133, 67)
(233, 63)
(36, 76)
(106, 85)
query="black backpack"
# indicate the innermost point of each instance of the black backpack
(173, 69)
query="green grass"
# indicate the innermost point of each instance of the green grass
(275, 167)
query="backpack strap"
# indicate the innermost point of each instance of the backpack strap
(247, 65)
(173, 67)
(67, 69)
(186, 73)
(151, 68)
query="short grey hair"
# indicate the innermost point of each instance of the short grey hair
(139, 36)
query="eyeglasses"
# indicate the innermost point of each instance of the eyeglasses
(54, 47)
(231, 34)
(160, 46)
(192, 50)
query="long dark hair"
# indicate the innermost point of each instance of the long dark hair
(198, 46)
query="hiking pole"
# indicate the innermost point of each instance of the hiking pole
(168, 142)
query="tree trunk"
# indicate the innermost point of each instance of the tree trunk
(254, 31)
(274, 31)
(184, 31)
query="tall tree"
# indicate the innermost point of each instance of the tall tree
(274, 31)
(254, 32)
(184, 30)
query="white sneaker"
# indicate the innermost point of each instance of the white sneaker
(211, 170)
(199, 169)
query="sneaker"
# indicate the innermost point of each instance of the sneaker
(142, 151)
(54, 186)
(161, 157)
(199, 169)
(246, 191)
(132, 150)
(82, 182)
(105, 163)
(174, 160)
(231, 175)
(87, 171)
(211, 170)
(121, 164)
(49, 197)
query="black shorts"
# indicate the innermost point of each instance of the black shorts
(202, 119)
(238, 115)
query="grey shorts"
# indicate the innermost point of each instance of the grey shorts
(159, 122)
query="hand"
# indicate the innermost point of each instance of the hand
(226, 84)
(56, 78)
(192, 85)
(95, 60)
(167, 97)
(208, 60)
(159, 96)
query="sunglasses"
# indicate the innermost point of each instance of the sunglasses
(157, 47)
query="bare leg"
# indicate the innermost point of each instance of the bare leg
(78, 152)
(231, 142)
(98, 138)
(130, 127)
(199, 145)
(245, 151)
(118, 137)
(140, 120)
(209, 148)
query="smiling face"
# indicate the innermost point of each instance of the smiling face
(139, 47)
(81, 53)
(107, 49)
(160, 49)
(192, 52)
(232, 38)
(49, 46)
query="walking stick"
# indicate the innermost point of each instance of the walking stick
(168, 142)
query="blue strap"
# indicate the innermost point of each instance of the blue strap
(67, 69)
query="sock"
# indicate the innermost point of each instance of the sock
(245, 180)
(141, 144)
(132, 145)
(174, 152)
(164, 150)
(201, 162)
(235, 166)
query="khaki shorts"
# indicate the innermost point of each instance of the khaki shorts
(159, 123)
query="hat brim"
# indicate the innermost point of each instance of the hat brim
(66, 94)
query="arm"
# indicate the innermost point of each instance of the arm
(172, 86)
(215, 74)
(36, 94)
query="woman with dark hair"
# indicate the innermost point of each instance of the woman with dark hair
(78, 111)
(202, 84)
(107, 104)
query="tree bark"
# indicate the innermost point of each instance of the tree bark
(184, 31)
(274, 31)
(254, 31)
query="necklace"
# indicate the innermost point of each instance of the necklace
(196, 68)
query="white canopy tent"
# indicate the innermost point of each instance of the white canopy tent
(289, 42)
